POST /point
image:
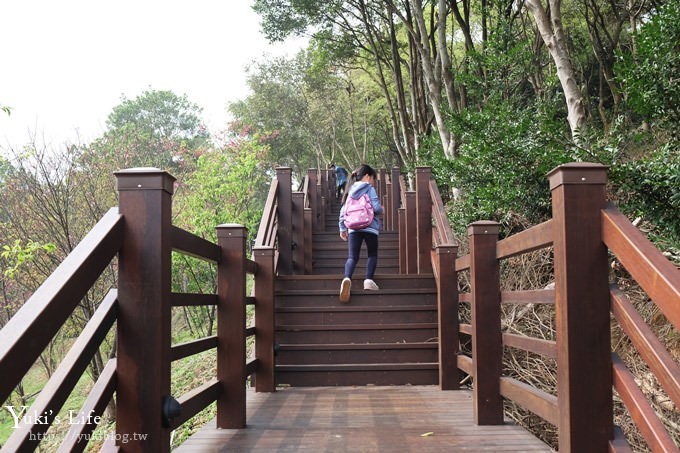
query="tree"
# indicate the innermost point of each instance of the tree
(555, 39)
(651, 75)
(157, 128)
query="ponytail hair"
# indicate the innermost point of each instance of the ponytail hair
(363, 170)
(357, 175)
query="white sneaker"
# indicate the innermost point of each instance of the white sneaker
(370, 285)
(345, 287)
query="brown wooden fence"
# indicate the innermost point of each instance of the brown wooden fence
(583, 230)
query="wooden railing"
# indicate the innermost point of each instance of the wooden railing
(26, 334)
(582, 232)
(584, 228)
(141, 235)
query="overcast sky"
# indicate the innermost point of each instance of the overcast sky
(65, 64)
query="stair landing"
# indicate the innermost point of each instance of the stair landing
(362, 419)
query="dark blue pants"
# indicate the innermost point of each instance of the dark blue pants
(354, 252)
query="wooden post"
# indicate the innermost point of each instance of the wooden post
(396, 196)
(411, 234)
(424, 215)
(285, 222)
(231, 326)
(402, 241)
(382, 181)
(584, 368)
(264, 319)
(144, 283)
(447, 302)
(387, 215)
(324, 184)
(487, 340)
(314, 199)
(308, 236)
(298, 227)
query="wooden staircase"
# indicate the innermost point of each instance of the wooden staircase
(384, 337)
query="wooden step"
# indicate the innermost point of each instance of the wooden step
(384, 337)
(359, 298)
(353, 314)
(358, 374)
(327, 282)
(314, 354)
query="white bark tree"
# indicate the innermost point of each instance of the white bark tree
(550, 28)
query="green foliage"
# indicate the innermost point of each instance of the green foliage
(18, 255)
(651, 76)
(157, 128)
(228, 186)
(502, 165)
(650, 188)
(283, 18)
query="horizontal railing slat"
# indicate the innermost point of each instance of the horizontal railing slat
(30, 330)
(267, 224)
(192, 299)
(534, 238)
(64, 379)
(537, 401)
(547, 348)
(76, 439)
(189, 348)
(465, 363)
(192, 245)
(640, 410)
(656, 275)
(251, 267)
(463, 263)
(653, 352)
(250, 331)
(251, 366)
(537, 296)
(195, 401)
(444, 233)
(465, 328)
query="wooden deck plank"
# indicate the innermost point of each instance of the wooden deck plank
(365, 419)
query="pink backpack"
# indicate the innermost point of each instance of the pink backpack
(358, 212)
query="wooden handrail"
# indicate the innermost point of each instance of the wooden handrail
(192, 245)
(192, 299)
(534, 238)
(442, 229)
(189, 348)
(537, 401)
(582, 228)
(653, 352)
(656, 275)
(266, 234)
(640, 410)
(196, 400)
(42, 413)
(535, 296)
(79, 433)
(27, 333)
(547, 348)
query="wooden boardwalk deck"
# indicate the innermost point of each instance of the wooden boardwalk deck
(362, 419)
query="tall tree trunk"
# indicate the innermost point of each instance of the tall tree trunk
(555, 40)
(433, 85)
(447, 74)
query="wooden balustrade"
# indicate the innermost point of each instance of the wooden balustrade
(582, 231)
(141, 234)
(583, 227)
